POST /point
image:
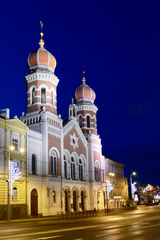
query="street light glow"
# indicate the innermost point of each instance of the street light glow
(21, 150)
(11, 148)
(111, 174)
(134, 173)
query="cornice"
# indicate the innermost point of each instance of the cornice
(87, 107)
(43, 77)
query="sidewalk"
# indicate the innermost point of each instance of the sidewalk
(65, 217)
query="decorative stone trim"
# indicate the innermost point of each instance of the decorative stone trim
(42, 76)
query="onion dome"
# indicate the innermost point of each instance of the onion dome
(84, 94)
(41, 59)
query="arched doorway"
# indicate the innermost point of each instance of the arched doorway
(82, 200)
(34, 203)
(66, 201)
(74, 200)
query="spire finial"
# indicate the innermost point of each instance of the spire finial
(83, 72)
(72, 100)
(41, 42)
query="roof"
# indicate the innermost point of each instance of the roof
(111, 158)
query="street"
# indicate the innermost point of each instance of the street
(143, 223)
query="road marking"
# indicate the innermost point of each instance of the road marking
(53, 231)
(130, 230)
(107, 234)
(48, 237)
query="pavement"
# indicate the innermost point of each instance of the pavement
(30, 219)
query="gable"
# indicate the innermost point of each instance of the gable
(15, 122)
(74, 139)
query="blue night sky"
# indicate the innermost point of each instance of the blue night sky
(119, 43)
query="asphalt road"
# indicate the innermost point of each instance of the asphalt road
(140, 224)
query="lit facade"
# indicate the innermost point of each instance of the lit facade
(66, 170)
(13, 133)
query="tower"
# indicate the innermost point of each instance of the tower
(86, 111)
(40, 81)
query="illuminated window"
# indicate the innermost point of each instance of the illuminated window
(15, 194)
(43, 95)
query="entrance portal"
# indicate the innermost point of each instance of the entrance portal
(34, 203)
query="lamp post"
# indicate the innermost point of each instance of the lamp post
(132, 199)
(8, 204)
(9, 181)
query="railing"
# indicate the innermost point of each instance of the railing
(77, 214)
(92, 213)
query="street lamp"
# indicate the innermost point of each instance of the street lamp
(21, 150)
(8, 204)
(132, 199)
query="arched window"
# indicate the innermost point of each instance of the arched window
(15, 194)
(53, 165)
(80, 121)
(65, 167)
(94, 123)
(88, 122)
(33, 164)
(43, 95)
(33, 95)
(72, 169)
(80, 170)
(96, 173)
(52, 98)
(74, 114)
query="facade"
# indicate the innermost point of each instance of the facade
(66, 170)
(13, 133)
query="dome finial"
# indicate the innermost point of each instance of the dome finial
(41, 42)
(83, 72)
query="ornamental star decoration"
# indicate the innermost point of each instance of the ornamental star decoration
(74, 141)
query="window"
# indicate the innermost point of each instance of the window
(54, 196)
(65, 167)
(52, 98)
(72, 169)
(88, 121)
(33, 164)
(94, 123)
(33, 95)
(15, 143)
(43, 95)
(53, 166)
(96, 174)
(15, 194)
(80, 121)
(80, 170)
(74, 111)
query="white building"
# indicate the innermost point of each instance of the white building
(65, 166)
